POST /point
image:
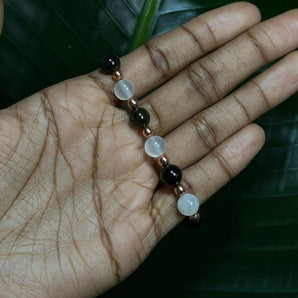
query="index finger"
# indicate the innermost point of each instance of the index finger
(162, 57)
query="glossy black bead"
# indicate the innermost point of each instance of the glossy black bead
(139, 117)
(171, 175)
(110, 63)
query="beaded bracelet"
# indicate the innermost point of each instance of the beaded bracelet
(155, 146)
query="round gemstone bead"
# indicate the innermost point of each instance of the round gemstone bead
(124, 89)
(139, 117)
(188, 204)
(171, 175)
(110, 63)
(155, 146)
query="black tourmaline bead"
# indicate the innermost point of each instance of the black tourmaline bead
(171, 175)
(110, 63)
(139, 117)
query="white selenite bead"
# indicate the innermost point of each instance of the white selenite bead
(124, 89)
(188, 204)
(155, 146)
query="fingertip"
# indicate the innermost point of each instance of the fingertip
(244, 12)
(251, 10)
(291, 70)
(289, 24)
(257, 136)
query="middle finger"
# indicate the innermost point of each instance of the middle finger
(209, 79)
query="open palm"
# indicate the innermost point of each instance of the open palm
(81, 206)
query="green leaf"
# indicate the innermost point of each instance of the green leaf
(145, 23)
(247, 246)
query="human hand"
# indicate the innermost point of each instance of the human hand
(81, 204)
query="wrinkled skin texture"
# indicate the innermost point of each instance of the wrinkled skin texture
(81, 206)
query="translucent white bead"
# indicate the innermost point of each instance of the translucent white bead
(155, 146)
(124, 89)
(188, 204)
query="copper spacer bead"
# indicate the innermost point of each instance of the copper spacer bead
(117, 75)
(163, 161)
(179, 189)
(147, 132)
(132, 103)
(195, 218)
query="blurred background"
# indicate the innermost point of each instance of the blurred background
(247, 244)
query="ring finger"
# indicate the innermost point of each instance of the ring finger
(209, 128)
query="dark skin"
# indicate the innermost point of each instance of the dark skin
(81, 206)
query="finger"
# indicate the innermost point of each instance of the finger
(212, 77)
(162, 57)
(208, 175)
(207, 129)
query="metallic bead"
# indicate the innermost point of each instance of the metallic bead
(117, 75)
(132, 103)
(195, 218)
(163, 161)
(193, 221)
(179, 189)
(147, 132)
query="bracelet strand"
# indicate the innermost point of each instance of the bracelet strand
(155, 146)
